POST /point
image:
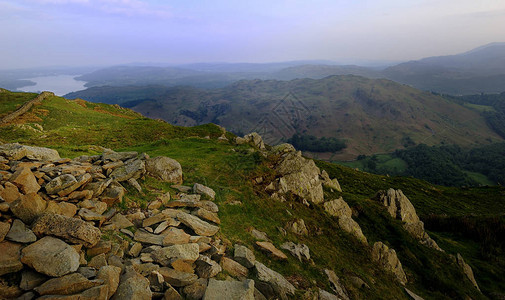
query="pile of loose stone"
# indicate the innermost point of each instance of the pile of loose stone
(61, 236)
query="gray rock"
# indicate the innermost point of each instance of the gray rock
(198, 225)
(244, 256)
(412, 295)
(254, 139)
(233, 290)
(234, 268)
(118, 156)
(133, 287)
(177, 278)
(336, 285)
(31, 279)
(134, 168)
(65, 285)
(186, 252)
(300, 251)
(297, 227)
(338, 208)
(16, 151)
(51, 256)
(145, 237)
(467, 270)
(206, 267)
(165, 169)
(280, 285)
(388, 259)
(20, 233)
(330, 183)
(204, 190)
(69, 229)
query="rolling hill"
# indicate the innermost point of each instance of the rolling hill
(371, 115)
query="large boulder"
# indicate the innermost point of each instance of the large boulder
(165, 169)
(70, 229)
(28, 207)
(338, 208)
(400, 207)
(232, 290)
(51, 256)
(17, 152)
(299, 176)
(388, 259)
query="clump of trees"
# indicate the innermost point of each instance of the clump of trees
(314, 144)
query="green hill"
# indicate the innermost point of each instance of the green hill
(78, 127)
(370, 115)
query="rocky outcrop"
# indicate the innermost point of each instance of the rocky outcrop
(17, 151)
(25, 107)
(388, 259)
(400, 207)
(338, 208)
(330, 183)
(467, 270)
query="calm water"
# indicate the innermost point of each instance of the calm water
(60, 84)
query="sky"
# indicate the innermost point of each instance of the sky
(37, 33)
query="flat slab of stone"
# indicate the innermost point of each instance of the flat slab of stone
(20, 233)
(198, 225)
(148, 238)
(270, 248)
(51, 256)
(70, 229)
(65, 285)
(177, 278)
(186, 252)
(232, 290)
(280, 285)
(244, 256)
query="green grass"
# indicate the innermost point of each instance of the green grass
(10, 101)
(480, 108)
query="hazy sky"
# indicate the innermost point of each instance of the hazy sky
(106, 32)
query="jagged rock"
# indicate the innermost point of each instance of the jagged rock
(259, 235)
(133, 286)
(95, 293)
(146, 269)
(28, 207)
(336, 285)
(134, 168)
(206, 267)
(234, 268)
(98, 187)
(69, 229)
(233, 290)
(156, 281)
(299, 176)
(300, 251)
(199, 226)
(177, 278)
(174, 236)
(254, 139)
(65, 184)
(157, 218)
(10, 259)
(87, 272)
(338, 208)
(467, 270)
(9, 291)
(388, 259)
(400, 207)
(196, 290)
(20, 233)
(244, 256)
(165, 169)
(97, 261)
(186, 252)
(16, 151)
(145, 237)
(279, 284)
(90, 215)
(297, 227)
(204, 190)
(112, 195)
(121, 221)
(66, 285)
(206, 215)
(9, 192)
(412, 295)
(270, 249)
(4, 229)
(330, 183)
(110, 276)
(51, 256)
(31, 279)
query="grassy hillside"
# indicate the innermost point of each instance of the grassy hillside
(371, 115)
(78, 127)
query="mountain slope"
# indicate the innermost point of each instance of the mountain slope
(371, 115)
(233, 171)
(481, 70)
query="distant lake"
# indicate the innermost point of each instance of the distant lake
(59, 84)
